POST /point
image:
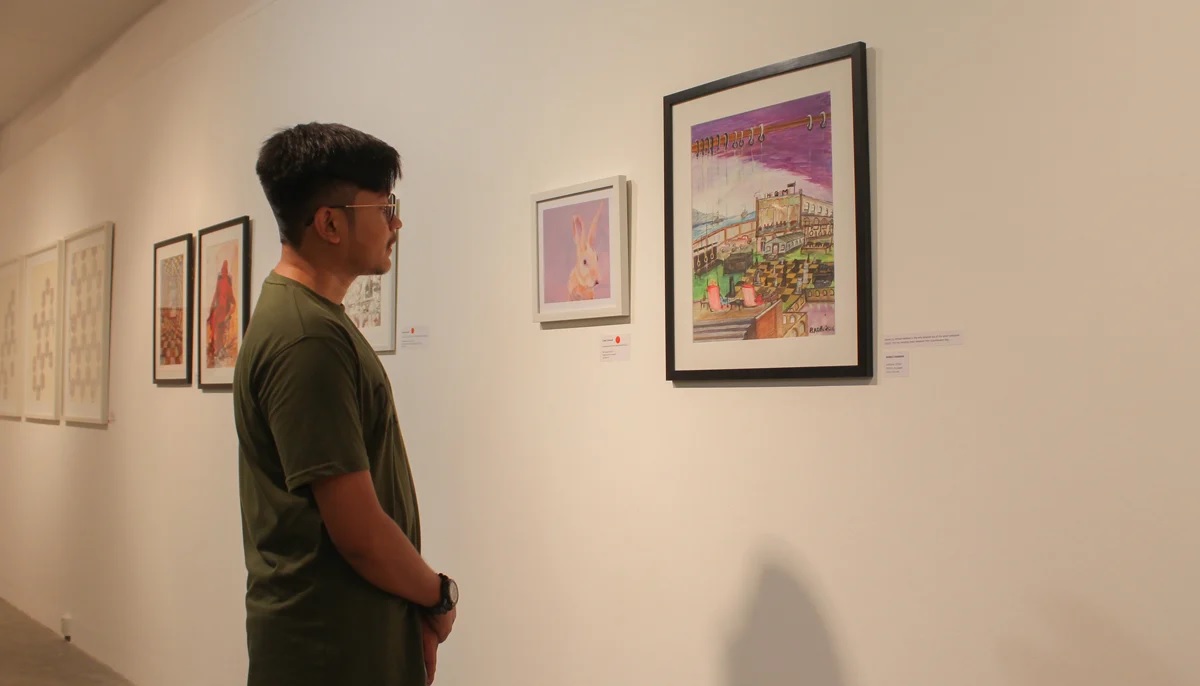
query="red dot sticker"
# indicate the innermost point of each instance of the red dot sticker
(412, 330)
(618, 339)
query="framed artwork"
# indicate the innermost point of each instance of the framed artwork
(767, 178)
(12, 366)
(581, 251)
(87, 313)
(174, 268)
(42, 318)
(223, 259)
(370, 303)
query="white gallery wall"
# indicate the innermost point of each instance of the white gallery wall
(1018, 510)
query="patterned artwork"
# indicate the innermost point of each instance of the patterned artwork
(8, 346)
(40, 332)
(172, 308)
(85, 273)
(10, 339)
(172, 291)
(44, 331)
(87, 291)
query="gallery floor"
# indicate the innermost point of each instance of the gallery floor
(32, 655)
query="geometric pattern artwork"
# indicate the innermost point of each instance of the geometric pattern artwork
(85, 275)
(8, 345)
(172, 308)
(40, 316)
(44, 355)
(87, 303)
(170, 311)
(11, 365)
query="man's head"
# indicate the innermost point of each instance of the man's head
(329, 186)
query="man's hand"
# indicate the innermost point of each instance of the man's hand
(429, 645)
(442, 625)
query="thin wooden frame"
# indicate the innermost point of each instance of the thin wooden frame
(42, 352)
(755, 166)
(217, 245)
(576, 276)
(12, 337)
(172, 347)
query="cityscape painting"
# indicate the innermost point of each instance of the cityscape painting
(768, 223)
(762, 223)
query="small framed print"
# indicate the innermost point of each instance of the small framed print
(87, 313)
(767, 179)
(223, 292)
(581, 251)
(42, 320)
(12, 338)
(370, 303)
(174, 307)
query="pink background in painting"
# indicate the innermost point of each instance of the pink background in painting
(558, 248)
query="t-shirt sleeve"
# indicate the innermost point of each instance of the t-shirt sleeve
(311, 401)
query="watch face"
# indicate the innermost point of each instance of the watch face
(453, 592)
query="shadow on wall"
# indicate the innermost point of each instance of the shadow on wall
(1082, 647)
(782, 639)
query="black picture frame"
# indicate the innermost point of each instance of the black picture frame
(177, 373)
(216, 373)
(759, 274)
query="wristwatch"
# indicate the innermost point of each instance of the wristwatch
(449, 596)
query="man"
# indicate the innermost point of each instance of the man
(337, 591)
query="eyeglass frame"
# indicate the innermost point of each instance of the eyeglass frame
(394, 204)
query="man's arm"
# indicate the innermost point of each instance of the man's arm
(310, 397)
(371, 542)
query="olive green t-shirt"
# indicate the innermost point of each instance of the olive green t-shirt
(311, 400)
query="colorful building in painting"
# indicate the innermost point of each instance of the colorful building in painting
(715, 232)
(788, 220)
(757, 274)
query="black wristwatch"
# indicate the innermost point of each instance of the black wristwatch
(449, 597)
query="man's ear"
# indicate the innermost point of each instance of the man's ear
(328, 224)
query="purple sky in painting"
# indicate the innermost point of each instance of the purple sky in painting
(796, 151)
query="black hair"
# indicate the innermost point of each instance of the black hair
(311, 165)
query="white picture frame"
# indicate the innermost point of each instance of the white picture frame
(12, 337)
(42, 317)
(581, 251)
(370, 303)
(86, 324)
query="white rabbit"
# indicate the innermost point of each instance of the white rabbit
(584, 278)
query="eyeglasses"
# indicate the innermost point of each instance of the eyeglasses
(392, 205)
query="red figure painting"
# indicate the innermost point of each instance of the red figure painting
(222, 322)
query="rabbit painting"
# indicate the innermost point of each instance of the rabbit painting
(582, 282)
